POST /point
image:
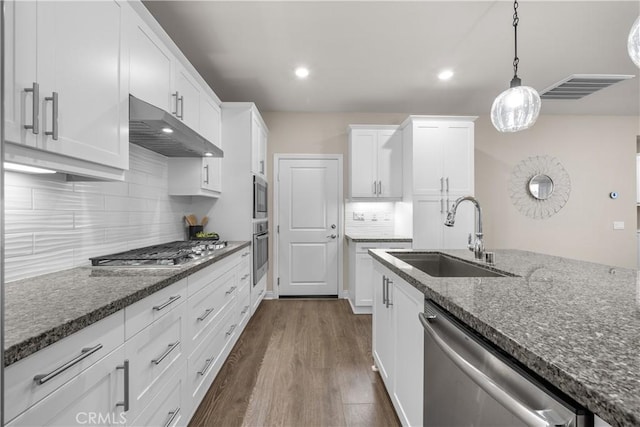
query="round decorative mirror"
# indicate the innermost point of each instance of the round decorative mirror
(541, 186)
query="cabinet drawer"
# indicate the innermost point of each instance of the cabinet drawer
(97, 340)
(206, 307)
(154, 354)
(144, 312)
(243, 310)
(205, 362)
(97, 390)
(170, 407)
(203, 278)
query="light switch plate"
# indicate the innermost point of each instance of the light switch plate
(618, 225)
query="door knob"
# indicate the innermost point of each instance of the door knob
(333, 226)
(333, 236)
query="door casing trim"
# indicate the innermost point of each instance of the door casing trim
(276, 202)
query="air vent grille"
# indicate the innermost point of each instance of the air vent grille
(578, 86)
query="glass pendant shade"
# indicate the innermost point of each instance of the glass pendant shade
(515, 109)
(633, 44)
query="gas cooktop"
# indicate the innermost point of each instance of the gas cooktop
(167, 254)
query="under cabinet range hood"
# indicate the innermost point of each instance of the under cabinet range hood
(157, 130)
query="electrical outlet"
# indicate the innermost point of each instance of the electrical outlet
(618, 225)
(358, 216)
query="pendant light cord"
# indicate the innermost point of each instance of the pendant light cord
(515, 81)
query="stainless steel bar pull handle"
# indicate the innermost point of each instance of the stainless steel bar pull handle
(207, 363)
(35, 108)
(245, 254)
(447, 180)
(379, 188)
(167, 303)
(54, 116)
(125, 402)
(176, 96)
(261, 166)
(166, 353)
(441, 205)
(375, 188)
(384, 290)
(206, 174)
(181, 115)
(231, 329)
(244, 310)
(245, 276)
(84, 353)
(231, 289)
(389, 303)
(172, 416)
(206, 313)
(526, 415)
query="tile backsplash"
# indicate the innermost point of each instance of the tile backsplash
(375, 218)
(52, 224)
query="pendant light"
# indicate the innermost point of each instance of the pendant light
(518, 107)
(633, 44)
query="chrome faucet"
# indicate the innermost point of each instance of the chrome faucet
(476, 245)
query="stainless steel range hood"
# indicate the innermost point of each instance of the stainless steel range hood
(157, 130)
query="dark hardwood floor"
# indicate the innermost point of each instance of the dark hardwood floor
(299, 363)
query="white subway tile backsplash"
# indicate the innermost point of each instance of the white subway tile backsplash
(18, 197)
(25, 221)
(67, 200)
(52, 224)
(19, 244)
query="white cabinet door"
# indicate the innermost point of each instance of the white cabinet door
(20, 72)
(383, 326)
(363, 286)
(151, 68)
(188, 98)
(457, 157)
(390, 163)
(263, 151)
(210, 128)
(364, 162)
(428, 177)
(408, 348)
(428, 223)
(95, 392)
(258, 147)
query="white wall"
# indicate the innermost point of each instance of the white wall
(53, 225)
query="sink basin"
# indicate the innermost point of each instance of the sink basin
(441, 265)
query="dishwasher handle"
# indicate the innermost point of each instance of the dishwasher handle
(525, 414)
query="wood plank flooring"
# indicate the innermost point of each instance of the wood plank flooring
(299, 363)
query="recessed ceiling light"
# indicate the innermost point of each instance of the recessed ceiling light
(208, 154)
(302, 72)
(27, 169)
(445, 74)
(167, 130)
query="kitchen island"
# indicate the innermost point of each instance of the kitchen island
(42, 310)
(576, 324)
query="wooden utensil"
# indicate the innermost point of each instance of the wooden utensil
(193, 220)
(205, 221)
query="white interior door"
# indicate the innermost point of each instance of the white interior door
(308, 212)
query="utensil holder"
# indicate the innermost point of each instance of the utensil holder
(194, 229)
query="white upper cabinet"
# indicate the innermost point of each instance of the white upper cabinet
(376, 162)
(67, 83)
(151, 68)
(258, 147)
(442, 156)
(187, 96)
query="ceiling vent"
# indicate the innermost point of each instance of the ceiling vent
(578, 86)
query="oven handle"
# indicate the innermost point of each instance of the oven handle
(262, 236)
(526, 415)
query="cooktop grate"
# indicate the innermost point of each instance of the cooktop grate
(172, 253)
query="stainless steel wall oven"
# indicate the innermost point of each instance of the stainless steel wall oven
(260, 250)
(259, 198)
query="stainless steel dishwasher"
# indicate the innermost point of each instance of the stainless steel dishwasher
(468, 382)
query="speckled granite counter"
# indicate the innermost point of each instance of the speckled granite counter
(360, 238)
(576, 324)
(42, 310)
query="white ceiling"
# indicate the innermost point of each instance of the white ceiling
(372, 56)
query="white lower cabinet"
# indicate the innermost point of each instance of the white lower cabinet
(361, 270)
(147, 365)
(93, 397)
(398, 343)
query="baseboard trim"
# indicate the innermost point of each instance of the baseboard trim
(269, 295)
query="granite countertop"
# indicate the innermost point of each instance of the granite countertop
(358, 238)
(42, 310)
(574, 323)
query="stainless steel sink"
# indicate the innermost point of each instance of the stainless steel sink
(440, 265)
